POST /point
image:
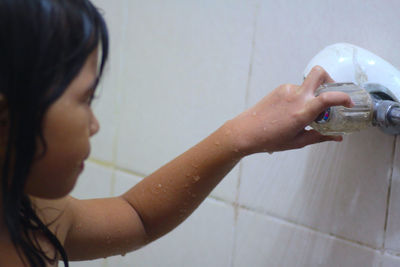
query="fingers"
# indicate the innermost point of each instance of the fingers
(315, 78)
(328, 99)
(309, 137)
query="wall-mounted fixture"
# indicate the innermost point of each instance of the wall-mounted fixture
(372, 83)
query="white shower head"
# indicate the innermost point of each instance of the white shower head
(349, 63)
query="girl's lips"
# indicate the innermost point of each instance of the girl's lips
(82, 166)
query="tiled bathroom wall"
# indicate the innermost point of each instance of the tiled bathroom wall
(180, 69)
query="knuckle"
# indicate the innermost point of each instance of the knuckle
(284, 89)
(289, 88)
(285, 86)
(290, 85)
(319, 70)
(296, 116)
(300, 117)
(323, 99)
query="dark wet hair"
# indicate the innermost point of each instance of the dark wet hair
(43, 46)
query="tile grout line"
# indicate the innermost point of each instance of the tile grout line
(236, 201)
(253, 45)
(389, 194)
(292, 223)
(119, 87)
(309, 228)
(113, 182)
(117, 112)
(305, 227)
(127, 171)
(236, 213)
(392, 253)
(237, 207)
(101, 162)
(115, 167)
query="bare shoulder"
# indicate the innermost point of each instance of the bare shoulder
(56, 214)
(53, 213)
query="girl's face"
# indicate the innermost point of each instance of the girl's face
(68, 125)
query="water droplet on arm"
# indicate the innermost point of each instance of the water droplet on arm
(196, 178)
(195, 166)
(78, 227)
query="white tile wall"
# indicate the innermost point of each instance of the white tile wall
(204, 239)
(107, 106)
(390, 261)
(265, 241)
(227, 189)
(185, 74)
(124, 181)
(94, 182)
(337, 188)
(393, 226)
(179, 69)
(290, 32)
(340, 189)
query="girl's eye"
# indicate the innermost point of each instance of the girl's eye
(89, 97)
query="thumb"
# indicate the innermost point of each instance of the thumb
(309, 137)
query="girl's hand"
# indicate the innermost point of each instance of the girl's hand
(278, 121)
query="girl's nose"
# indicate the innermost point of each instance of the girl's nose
(94, 126)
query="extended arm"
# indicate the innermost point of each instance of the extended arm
(165, 198)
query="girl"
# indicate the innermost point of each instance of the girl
(52, 57)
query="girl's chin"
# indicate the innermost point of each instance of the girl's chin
(58, 190)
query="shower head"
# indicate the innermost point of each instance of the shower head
(349, 63)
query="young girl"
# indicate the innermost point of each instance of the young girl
(52, 57)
